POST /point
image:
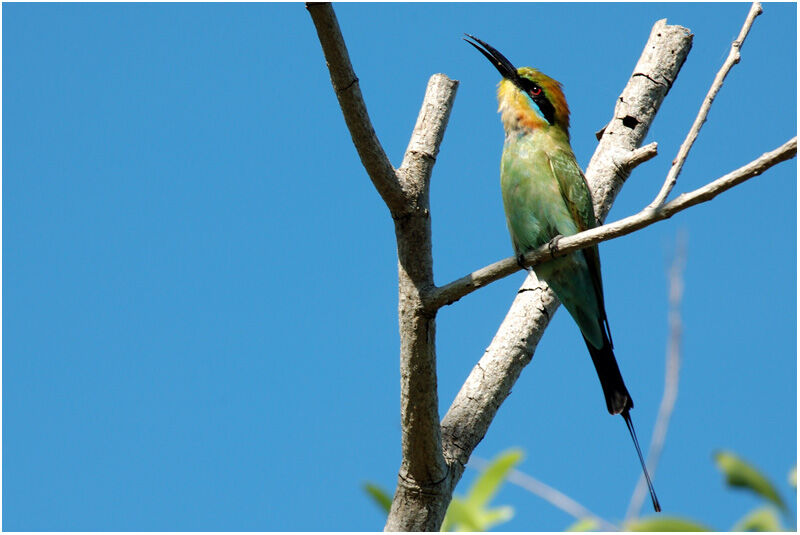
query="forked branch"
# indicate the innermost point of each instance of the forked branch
(733, 58)
(434, 456)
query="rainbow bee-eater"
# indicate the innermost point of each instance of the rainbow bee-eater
(545, 196)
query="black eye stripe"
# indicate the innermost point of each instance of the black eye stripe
(540, 99)
(526, 85)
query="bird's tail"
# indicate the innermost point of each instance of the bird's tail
(627, 416)
(618, 399)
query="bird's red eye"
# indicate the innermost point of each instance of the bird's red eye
(536, 91)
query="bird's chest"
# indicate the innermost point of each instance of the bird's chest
(534, 206)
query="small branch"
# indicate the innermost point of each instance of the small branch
(345, 84)
(671, 376)
(733, 58)
(641, 155)
(457, 289)
(453, 291)
(549, 494)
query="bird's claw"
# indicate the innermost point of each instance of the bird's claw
(521, 261)
(552, 245)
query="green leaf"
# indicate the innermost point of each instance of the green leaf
(488, 483)
(447, 523)
(584, 524)
(761, 519)
(739, 473)
(471, 512)
(489, 518)
(665, 523)
(793, 477)
(460, 517)
(463, 517)
(380, 496)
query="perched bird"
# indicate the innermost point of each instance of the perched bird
(546, 196)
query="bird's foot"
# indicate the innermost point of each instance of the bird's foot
(552, 245)
(521, 261)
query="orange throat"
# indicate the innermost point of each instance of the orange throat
(515, 109)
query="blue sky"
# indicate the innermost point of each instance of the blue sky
(199, 299)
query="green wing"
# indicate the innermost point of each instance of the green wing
(578, 198)
(574, 188)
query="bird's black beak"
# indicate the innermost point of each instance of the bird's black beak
(500, 62)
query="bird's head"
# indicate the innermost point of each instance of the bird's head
(528, 99)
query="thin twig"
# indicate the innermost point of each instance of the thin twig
(641, 155)
(547, 493)
(671, 376)
(457, 289)
(733, 58)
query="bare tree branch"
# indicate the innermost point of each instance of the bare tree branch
(406, 193)
(457, 289)
(671, 376)
(733, 58)
(345, 84)
(548, 493)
